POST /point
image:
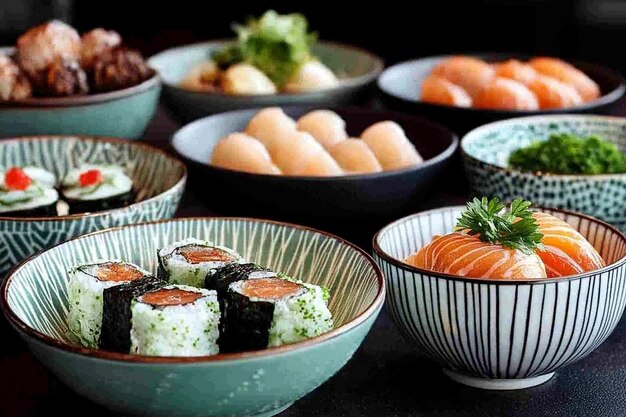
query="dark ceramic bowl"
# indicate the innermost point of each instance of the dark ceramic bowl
(351, 197)
(400, 87)
(357, 71)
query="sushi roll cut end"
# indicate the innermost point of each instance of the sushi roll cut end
(190, 261)
(27, 191)
(87, 286)
(96, 188)
(176, 320)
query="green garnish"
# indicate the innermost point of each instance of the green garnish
(275, 44)
(514, 228)
(564, 153)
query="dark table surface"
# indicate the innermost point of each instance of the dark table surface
(387, 377)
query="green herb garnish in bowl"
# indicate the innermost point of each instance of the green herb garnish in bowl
(565, 153)
(272, 54)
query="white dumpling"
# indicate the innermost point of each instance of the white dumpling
(242, 152)
(354, 156)
(202, 77)
(324, 125)
(245, 79)
(311, 76)
(389, 143)
(272, 127)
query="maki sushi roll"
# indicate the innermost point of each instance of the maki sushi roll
(96, 188)
(190, 261)
(267, 312)
(176, 320)
(27, 191)
(87, 285)
(116, 314)
(221, 279)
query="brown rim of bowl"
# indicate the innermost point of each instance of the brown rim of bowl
(379, 66)
(222, 357)
(516, 120)
(83, 100)
(534, 281)
(444, 155)
(95, 138)
(605, 99)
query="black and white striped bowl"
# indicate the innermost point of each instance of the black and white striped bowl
(497, 334)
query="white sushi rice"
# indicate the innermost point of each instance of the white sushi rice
(300, 317)
(180, 271)
(179, 330)
(31, 198)
(86, 304)
(115, 182)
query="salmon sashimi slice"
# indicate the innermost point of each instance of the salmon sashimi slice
(472, 74)
(170, 297)
(464, 255)
(197, 254)
(269, 288)
(566, 252)
(117, 272)
(438, 90)
(515, 70)
(568, 74)
(506, 94)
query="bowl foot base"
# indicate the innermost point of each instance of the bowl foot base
(497, 384)
(275, 411)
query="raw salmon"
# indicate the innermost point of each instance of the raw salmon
(503, 93)
(566, 252)
(438, 90)
(198, 254)
(170, 297)
(568, 74)
(471, 74)
(269, 288)
(464, 255)
(515, 70)
(117, 272)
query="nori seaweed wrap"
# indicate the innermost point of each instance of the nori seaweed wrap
(226, 275)
(116, 316)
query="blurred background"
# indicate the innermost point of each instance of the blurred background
(586, 30)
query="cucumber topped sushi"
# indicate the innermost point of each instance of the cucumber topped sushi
(87, 285)
(176, 320)
(27, 191)
(190, 261)
(267, 312)
(97, 187)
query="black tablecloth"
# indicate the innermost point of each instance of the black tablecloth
(387, 377)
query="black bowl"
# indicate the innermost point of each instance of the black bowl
(314, 200)
(399, 87)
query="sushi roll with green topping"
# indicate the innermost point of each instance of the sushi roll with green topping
(87, 285)
(221, 279)
(27, 191)
(116, 314)
(267, 312)
(96, 188)
(190, 261)
(176, 320)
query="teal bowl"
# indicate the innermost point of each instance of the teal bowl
(123, 113)
(357, 69)
(159, 180)
(34, 298)
(486, 152)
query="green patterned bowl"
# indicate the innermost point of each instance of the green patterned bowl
(357, 68)
(159, 181)
(34, 298)
(486, 152)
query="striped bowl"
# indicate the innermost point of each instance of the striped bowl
(158, 182)
(34, 297)
(497, 334)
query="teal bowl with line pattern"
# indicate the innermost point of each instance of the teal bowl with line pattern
(34, 298)
(158, 183)
(486, 152)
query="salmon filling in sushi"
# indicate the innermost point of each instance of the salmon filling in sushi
(190, 261)
(515, 244)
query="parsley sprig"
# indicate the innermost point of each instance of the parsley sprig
(513, 228)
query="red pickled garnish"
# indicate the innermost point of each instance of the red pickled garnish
(16, 179)
(90, 177)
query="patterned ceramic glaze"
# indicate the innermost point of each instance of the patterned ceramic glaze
(357, 69)
(261, 383)
(158, 178)
(501, 334)
(486, 152)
